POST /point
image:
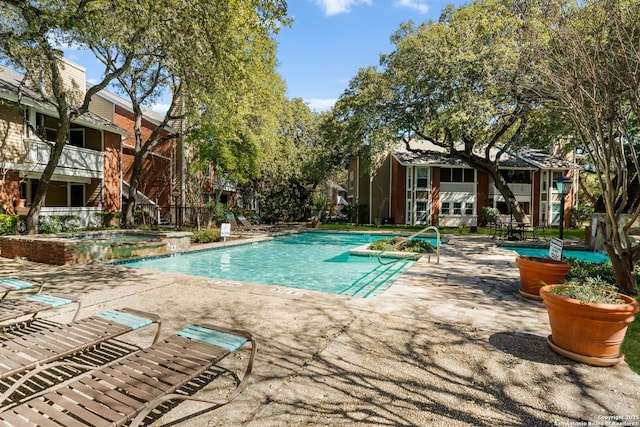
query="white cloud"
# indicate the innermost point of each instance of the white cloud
(320, 105)
(159, 108)
(418, 5)
(335, 7)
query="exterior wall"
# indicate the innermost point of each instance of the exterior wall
(535, 209)
(103, 108)
(364, 191)
(12, 146)
(435, 196)
(74, 81)
(380, 188)
(398, 192)
(111, 198)
(9, 190)
(483, 194)
(156, 179)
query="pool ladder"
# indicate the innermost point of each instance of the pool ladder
(407, 239)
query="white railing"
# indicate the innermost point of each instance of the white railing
(87, 215)
(408, 239)
(75, 161)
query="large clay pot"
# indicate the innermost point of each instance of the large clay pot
(536, 272)
(588, 332)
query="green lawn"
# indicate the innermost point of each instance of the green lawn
(569, 233)
(631, 344)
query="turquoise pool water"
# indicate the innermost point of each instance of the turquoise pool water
(581, 255)
(313, 261)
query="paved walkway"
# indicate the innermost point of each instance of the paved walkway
(452, 344)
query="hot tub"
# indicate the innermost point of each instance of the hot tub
(93, 246)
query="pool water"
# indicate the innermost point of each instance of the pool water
(581, 255)
(312, 261)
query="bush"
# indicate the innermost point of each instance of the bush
(58, 223)
(206, 236)
(591, 290)
(218, 212)
(108, 219)
(8, 224)
(581, 270)
(490, 215)
(415, 245)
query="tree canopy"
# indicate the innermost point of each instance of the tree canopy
(456, 83)
(587, 57)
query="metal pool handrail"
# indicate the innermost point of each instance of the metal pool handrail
(393, 245)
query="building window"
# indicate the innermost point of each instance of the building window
(514, 176)
(351, 180)
(457, 208)
(468, 208)
(445, 208)
(422, 177)
(457, 175)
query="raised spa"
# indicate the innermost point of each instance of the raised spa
(93, 246)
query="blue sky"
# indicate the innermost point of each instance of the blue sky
(331, 39)
(327, 43)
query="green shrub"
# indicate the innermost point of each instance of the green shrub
(8, 224)
(58, 223)
(581, 270)
(589, 290)
(206, 236)
(490, 215)
(107, 219)
(415, 245)
(218, 212)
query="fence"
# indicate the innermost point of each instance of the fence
(172, 216)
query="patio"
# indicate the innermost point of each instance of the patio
(451, 344)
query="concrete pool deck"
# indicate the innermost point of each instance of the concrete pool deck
(452, 344)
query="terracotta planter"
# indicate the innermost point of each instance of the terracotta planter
(20, 203)
(536, 272)
(590, 333)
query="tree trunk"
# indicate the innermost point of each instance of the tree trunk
(624, 269)
(45, 179)
(129, 219)
(621, 256)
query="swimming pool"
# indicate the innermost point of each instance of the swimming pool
(541, 252)
(314, 261)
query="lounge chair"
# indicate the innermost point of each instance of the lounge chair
(9, 284)
(12, 309)
(132, 387)
(248, 226)
(22, 353)
(231, 219)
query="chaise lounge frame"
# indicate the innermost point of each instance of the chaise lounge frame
(12, 309)
(132, 387)
(56, 342)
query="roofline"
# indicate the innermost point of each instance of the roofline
(37, 105)
(123, 103)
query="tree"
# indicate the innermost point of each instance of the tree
(29, 35)
(456, 83)
(212, 56)
(588, 58)
(294, 167)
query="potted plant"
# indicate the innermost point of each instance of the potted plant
(536, 272)
(588, 321)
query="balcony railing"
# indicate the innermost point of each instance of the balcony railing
(75, 161)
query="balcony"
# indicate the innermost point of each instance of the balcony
(75, 161)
